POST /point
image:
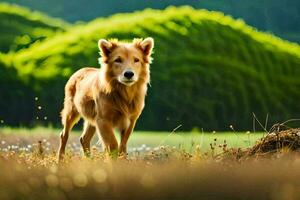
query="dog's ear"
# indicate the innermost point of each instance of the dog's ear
(147, 46)
(105, 47)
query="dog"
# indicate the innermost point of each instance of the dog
(110, 97)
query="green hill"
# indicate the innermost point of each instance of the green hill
(281, 17)
(20, 27)
(209, 70)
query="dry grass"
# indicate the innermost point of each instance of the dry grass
(288, 140)
(30, 171)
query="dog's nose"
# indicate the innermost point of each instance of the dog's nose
(129, 74)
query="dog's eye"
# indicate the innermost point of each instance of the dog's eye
(118, 60)
(136, 60)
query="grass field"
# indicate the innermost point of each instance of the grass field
(145, 139)
(181, 166)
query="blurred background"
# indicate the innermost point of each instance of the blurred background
(216, 62)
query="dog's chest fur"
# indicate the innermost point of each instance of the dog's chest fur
(126, 102)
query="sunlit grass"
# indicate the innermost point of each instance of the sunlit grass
(150, 140)
(29, 170)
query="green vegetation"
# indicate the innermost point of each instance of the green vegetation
(209, 70)
(281, 17)
(184, 140)
(21, 27)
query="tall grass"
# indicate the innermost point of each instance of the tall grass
(167, 173)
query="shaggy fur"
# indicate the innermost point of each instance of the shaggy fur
(106, 98)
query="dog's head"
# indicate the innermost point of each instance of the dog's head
(126, 63)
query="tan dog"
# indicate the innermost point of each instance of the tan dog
(110, 97)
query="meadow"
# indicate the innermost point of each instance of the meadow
(139, 139)
(159, 166)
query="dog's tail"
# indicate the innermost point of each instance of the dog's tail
(69, 107)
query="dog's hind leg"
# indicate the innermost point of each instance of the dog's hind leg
(69, 119)
(86, 137)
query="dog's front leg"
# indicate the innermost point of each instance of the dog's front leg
(125, 133)
(105, 128)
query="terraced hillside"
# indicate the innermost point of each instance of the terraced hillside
(209, 70)
(20, 27)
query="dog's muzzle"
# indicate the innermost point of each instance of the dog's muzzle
(128, 78)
